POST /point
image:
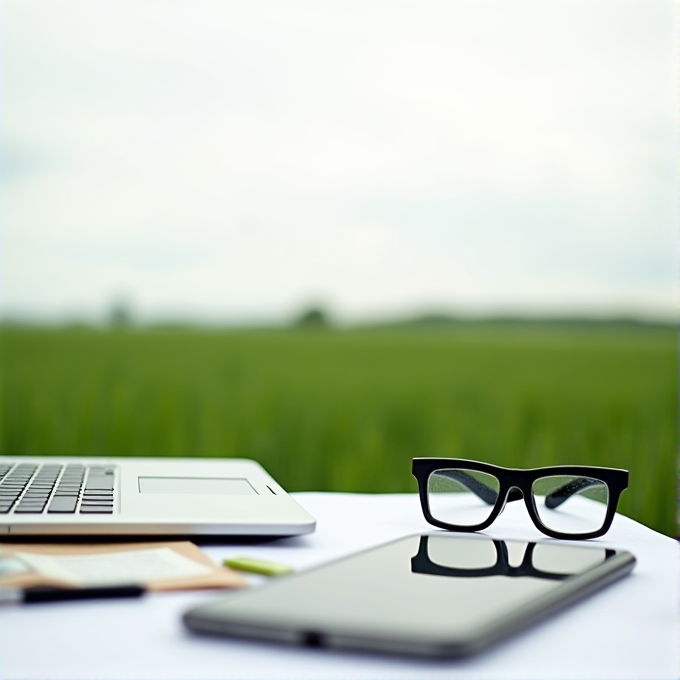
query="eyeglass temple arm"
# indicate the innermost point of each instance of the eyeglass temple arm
(486, 493)
(563, 493)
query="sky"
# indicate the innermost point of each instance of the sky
(239, 160)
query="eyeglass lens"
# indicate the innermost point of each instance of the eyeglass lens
(566, 503)
(461, 497)
(571, 504)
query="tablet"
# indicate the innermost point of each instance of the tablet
(436, 595)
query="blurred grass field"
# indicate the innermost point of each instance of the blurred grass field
(347, 410)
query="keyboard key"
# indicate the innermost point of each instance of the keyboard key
(63, 504)
(97, 510)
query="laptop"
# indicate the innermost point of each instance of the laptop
(75, 496)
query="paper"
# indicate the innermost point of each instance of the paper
(135, 566)
(11, 565)
(158, 566)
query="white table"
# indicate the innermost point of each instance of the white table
(628, 631)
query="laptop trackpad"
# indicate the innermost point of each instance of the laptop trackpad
(196, 485)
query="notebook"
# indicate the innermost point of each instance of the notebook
(75, 496)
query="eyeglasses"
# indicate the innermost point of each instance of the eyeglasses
(564, 501)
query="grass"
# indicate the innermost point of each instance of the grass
(347, 410)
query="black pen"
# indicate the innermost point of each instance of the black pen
(39, 594)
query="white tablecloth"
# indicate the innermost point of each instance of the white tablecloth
(628, 631)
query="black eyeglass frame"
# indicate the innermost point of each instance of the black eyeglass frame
(510, 479)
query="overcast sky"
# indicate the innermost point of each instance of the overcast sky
(238, 159)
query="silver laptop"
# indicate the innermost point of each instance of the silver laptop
(144, 497)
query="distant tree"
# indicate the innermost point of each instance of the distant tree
(314, 317)
(120, 314)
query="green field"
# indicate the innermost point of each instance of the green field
(347, 410)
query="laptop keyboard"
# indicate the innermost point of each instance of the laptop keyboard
(50, 488)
